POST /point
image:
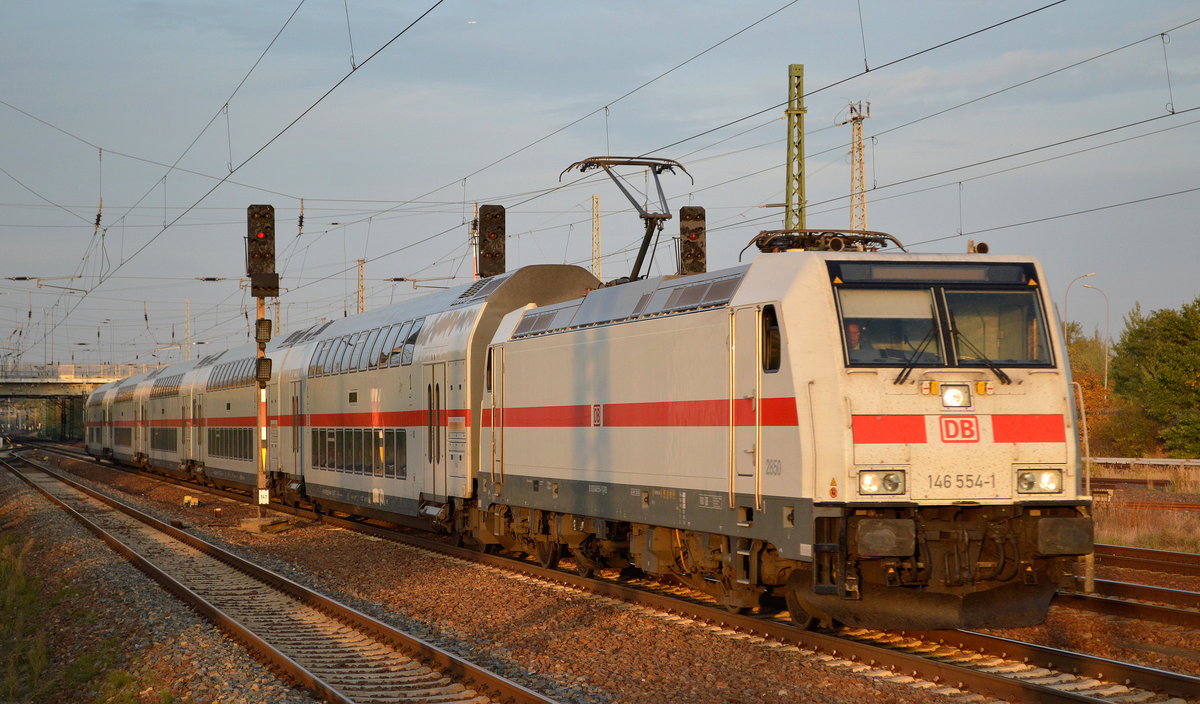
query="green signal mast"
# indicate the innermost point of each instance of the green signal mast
(793, 218)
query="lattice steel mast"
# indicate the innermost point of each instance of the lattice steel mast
(793, 218)
(858, 178)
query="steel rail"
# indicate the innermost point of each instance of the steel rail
(1182, 563)
(1126, 590)
(1123, 608)
(850, 647)
(437, 658)
(1149, 678)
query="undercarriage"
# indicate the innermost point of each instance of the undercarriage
(879, 567)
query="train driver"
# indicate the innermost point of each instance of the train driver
(857, 343)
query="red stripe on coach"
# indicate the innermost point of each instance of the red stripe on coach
(1029, 428)
(878, 430)
(547, 417)
(666, 414)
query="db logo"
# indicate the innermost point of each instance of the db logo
(959, 428)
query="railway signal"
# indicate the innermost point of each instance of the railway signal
(264, 282)
(693, 258)
(260, 250)
(491, 240)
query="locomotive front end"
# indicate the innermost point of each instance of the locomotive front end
(957, 501)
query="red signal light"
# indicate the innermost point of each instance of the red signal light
(261, 235)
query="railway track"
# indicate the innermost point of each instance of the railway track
(1137, 601)
(1160, 505)
(1111, 483)
(978, 662)
(1182, 563)
(341, 654)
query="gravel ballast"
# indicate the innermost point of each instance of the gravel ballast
(569, 645)
(149, 646)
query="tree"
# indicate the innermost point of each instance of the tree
(1116, 426)
(1156, 367)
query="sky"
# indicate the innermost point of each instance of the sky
(1069, 131)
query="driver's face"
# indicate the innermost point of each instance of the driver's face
(853, 333)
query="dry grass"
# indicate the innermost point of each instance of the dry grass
(23, 650)
(1184, 480)
(1178, 531)
(29, 672)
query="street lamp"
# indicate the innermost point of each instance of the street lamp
(1107, 337)
(1067, 300)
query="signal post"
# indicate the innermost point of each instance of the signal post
(264, 282)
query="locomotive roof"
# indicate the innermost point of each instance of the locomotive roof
(637, 299)
(669, 295)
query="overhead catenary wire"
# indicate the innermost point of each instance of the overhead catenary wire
(325, 277)
(248, 159)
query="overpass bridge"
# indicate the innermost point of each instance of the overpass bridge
(46, 400)
(54, 381)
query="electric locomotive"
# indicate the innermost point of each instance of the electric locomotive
(882, 440)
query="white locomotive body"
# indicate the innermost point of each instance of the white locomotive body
(882, 440)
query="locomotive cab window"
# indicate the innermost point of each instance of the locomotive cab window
(890, 326)
(963, 315)
(772, 342)
(1001, 327)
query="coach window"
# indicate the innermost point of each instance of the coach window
(377, 453)
(327, 356)
(330, 450)
(389, 453)
(360, 342)
(364, 452)
(339, 450)
(402, 453)
(389, 343)
(345, 346)
(772, 342)
(377, 340)
(356, 450)
(312, 363)
(487, 373)
(397, 345)
(410, 342)
(318, 366)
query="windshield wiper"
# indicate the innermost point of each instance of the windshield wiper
(958, 336)
(911, 362)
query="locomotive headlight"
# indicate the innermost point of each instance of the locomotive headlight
(1039, 481)
(880, 482)
(955, 396)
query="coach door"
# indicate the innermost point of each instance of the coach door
(201, 430)
(745, 412)
(185, 429)
(494, 451)
(433, 381)
(297, 426)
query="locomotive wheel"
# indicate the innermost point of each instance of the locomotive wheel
(547, 554)
(804, 615)
(799, 613)
(584, 567)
